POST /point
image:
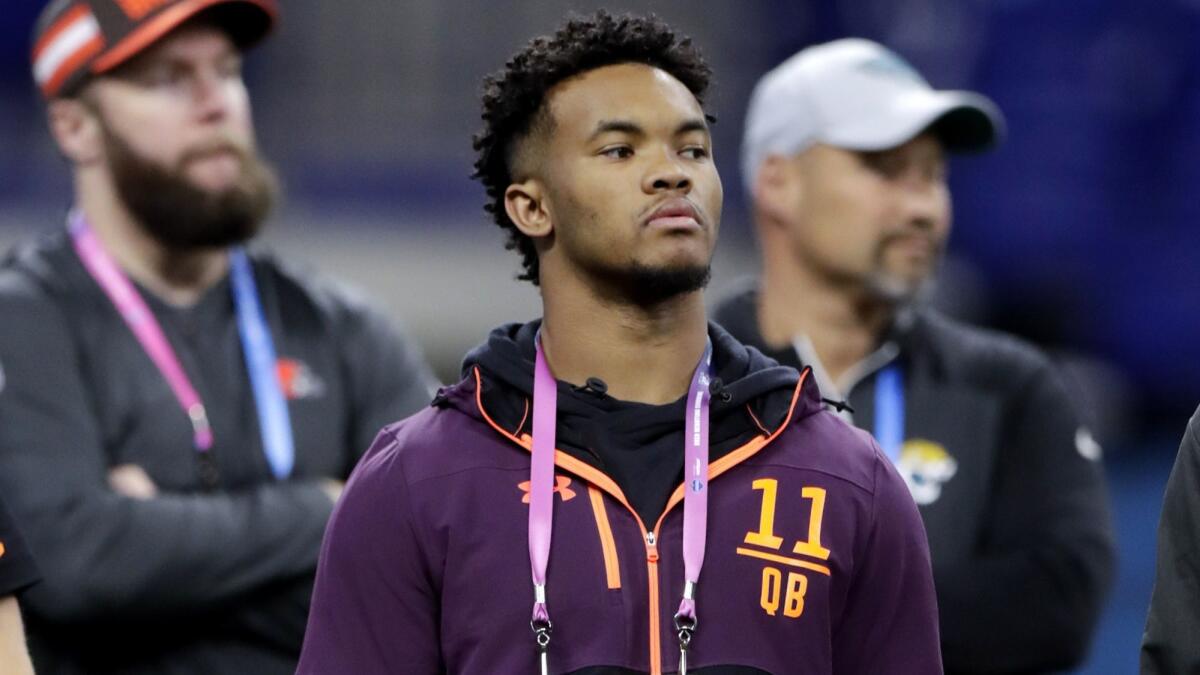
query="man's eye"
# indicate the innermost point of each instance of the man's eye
(163, 77)
(883, 164)
(695, 152)
(231, 69)
(617, 152)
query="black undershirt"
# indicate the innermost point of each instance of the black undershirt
(639, 446)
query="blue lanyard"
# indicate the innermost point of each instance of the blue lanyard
(273, 419)
(889, 410)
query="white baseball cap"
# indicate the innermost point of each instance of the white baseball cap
(857, 95)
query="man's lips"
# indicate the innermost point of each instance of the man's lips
(221, 152)
(913, 244)
(911, 237)
(674, 214)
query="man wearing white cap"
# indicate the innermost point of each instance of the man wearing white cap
(843, 158)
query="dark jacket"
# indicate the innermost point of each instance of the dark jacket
(425, 567)
(1172, 640)
(17, 569)
(194, 581)
(1009, 485)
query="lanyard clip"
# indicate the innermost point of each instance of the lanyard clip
(202, 436)
(541, 635)
(686, 627)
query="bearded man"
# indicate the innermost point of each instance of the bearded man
(177, 414)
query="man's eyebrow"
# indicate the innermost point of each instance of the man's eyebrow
(694, 124)
(633, 129)
(617, 126)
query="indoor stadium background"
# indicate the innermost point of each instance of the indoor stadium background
(1081, 232)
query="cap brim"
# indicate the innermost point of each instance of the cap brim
(963, 121)
(247, 22)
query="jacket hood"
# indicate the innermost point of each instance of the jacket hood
(752, 395)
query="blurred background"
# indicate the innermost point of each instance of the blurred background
(1080, 233)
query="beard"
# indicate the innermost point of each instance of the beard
(896, 289)
(893, 290)
(623, 279)
(180, 215)
(648, 286)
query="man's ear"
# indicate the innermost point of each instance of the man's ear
(76, 129)
(525, 203)
(777, 190)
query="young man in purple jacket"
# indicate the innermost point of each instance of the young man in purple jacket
(807, 555)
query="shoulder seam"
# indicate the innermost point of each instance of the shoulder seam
(412, 513)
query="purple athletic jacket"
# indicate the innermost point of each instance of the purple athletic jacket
(816, 556)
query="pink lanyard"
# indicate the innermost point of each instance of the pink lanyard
(141, 321)
(541, 498)
(257, 348)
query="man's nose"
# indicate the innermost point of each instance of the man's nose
(212, 96)
(923, 201)
(667, 174)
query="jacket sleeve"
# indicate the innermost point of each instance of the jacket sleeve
(105, 555)
(275, 615)
(1170, 644)
(389, 378)
(17, 569)
(375, 608)
(891, 620)
(1030, 600)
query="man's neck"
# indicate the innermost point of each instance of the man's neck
(643, 354)
(177, 277)
(843, 326)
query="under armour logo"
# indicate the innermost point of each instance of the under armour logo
(562, 487)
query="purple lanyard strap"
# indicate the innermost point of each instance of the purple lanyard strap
(145, 328)
(695, 500)
(541, 497)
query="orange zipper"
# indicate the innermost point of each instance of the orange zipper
(652, 575)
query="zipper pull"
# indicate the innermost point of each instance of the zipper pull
(651, 547)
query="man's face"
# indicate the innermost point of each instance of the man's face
(874, 221)
(179, 143)
(633, 193)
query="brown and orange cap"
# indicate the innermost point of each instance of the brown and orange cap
(77, 39)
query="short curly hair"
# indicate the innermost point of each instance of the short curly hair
(514, 99)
